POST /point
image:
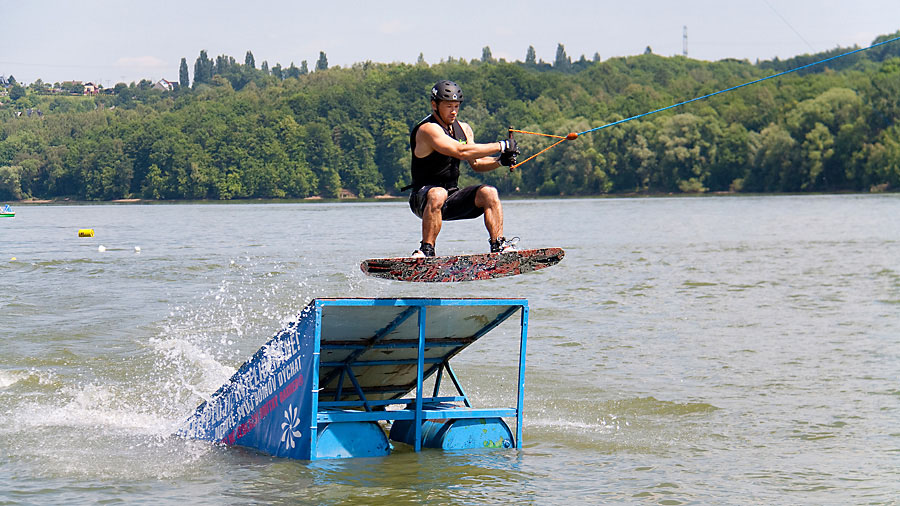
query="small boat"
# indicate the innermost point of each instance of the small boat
(7, 212)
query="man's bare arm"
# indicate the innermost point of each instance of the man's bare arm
(485, 163)
(431, 137)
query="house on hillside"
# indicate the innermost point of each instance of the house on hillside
(165, 85)
(91, 89)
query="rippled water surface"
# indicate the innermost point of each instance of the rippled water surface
(726, 350)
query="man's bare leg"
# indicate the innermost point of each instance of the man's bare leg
(431, 217)
(488, 199)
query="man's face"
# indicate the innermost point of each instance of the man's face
(447, 110)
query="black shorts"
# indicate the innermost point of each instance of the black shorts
(460, 205)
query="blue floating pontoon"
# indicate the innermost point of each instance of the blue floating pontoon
(323, 386)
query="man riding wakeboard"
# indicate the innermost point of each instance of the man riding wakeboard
(438, 143)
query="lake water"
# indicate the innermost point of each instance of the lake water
(716, 350)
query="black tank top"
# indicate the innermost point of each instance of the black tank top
(435, 169)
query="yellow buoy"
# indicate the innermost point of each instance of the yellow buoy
(86, 232)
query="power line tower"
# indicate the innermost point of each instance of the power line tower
(684, 42)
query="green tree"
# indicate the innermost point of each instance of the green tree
(530, 56)
(249, 61)
(885, 88)
(832, 108)
(330, 183)
(120, 89)
(105, 169)
(688, 149)
(562, 62)
(184, 80)
(321, 155)
(16, 92)
(727, 170)
(486, 56)
(203, 69)
(359, 171)
(771, 157)
(300, 180)
(224, 64)
(10, 182)
(304, 68)
(153, 187)
(849, 142)
(322, 63)
(885, 51)
(580, 169)
(38, 86)
(815, 152)
(882, 160)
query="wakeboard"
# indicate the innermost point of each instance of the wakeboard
(448, 269)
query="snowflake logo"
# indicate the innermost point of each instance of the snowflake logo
(289, 427)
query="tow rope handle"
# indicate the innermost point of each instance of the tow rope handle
(513, 166)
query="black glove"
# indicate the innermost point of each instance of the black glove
(508, 159)
(509, 146)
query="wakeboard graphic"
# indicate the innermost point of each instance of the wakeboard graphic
(453, 268)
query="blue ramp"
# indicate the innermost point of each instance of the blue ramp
(322, 386)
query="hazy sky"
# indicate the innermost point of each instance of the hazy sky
(125, 40)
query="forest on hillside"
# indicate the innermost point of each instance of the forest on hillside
(240, 132)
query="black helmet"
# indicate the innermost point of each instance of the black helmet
(446, 90)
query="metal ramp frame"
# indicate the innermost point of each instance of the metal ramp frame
(424, 351)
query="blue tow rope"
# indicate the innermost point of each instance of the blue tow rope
(739, 86)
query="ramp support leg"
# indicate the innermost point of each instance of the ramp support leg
(520, 398)
(420, 368)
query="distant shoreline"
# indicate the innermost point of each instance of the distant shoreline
(402, 198)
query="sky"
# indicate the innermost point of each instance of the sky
(125, 40)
